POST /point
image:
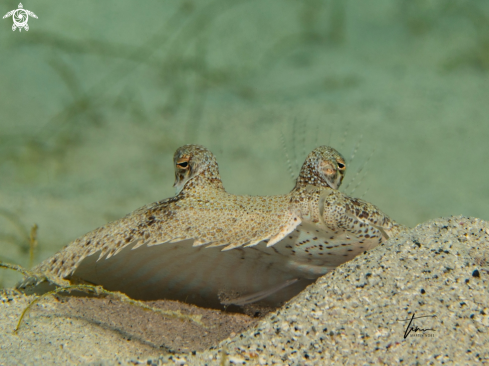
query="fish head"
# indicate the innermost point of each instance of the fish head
(324, 167)
(191, 161)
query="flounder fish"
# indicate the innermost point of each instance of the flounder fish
(211, 248)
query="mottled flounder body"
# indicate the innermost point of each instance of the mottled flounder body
(208, 247)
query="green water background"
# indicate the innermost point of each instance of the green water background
(96, 96)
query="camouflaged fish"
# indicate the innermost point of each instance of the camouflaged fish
(212, 248)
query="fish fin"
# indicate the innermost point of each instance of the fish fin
(260, 295)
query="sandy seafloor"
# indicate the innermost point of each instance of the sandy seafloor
(95, 98)
(357, 314)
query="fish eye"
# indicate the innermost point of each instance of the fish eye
(341, 166)
(183, 163)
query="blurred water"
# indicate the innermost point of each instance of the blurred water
(96, 96)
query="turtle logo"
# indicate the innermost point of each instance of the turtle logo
(20, 17)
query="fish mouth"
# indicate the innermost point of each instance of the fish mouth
(332, 176)
(180, 179)
(334, 182)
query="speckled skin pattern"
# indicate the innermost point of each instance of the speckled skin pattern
(219, 246)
